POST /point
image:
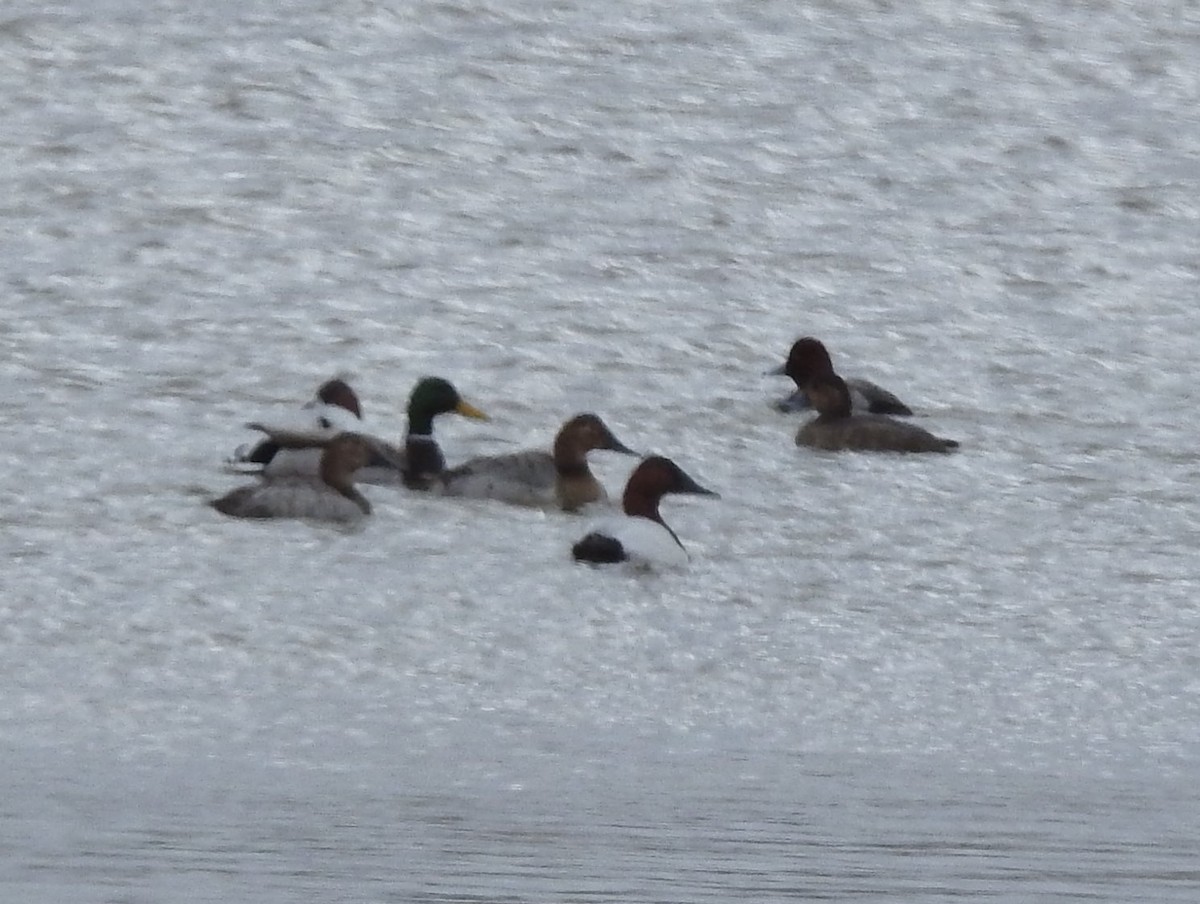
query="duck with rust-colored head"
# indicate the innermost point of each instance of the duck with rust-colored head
(557, 479)
(334, 408)
(837, 428)
(641, 536)
(415, 465)
(327, 495)
(560, 478)
(809, 358)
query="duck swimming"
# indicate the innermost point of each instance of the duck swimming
(559, 479)
(809, 358)
(641, 536)
(422, 460)
(328, 495)
(387, 465)
(334, 408)
(835, 428)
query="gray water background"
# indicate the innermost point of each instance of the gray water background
(881, 678)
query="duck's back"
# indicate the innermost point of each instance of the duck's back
(288, 498)
(520, 478)
(870, 433)
(873, 398)
(865, 397)
(288, 463)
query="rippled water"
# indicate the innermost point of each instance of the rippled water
(880, 678)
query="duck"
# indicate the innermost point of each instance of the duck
(327, 495)
(836, 428)
(809, 357)
(422, 461)
(641, 536)
(558, 479)
(415, 464)
(335, 407)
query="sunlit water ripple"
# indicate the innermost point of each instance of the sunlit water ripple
(880, 678)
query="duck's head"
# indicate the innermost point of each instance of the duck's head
(433, 396)
(829, 395)
(585, 432)
(807, 358)
(655, 477)
(337, 393)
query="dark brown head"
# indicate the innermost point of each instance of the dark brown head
(808, 358)
(583, 433)
(337, 392)
(654, 478)
(829, 395)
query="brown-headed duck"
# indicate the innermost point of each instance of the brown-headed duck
(328, 495)
(640, 535)
(415, 465)
(559, 479)
(836, 428)
(334, 408)
(809, 358)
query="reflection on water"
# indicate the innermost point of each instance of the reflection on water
(880, 676)
(678, 825)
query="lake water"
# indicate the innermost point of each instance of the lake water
(880, 678)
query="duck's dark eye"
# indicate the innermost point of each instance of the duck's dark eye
(324, 423)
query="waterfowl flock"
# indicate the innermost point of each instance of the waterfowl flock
(313, 471)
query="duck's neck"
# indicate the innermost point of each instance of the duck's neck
(640, 506)
(574, 491)
(839, 411)
(343, 482)
(420, 421)
(831, 397)
(423, 460)
(570, 461)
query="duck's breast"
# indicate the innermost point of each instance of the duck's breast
(643, 542)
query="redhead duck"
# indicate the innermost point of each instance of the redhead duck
(641, 536)
(835, 428)
(328, 495)
(561, 479)
(809, 358)
(334, 408)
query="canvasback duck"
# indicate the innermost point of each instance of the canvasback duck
(334, 408)
(328, 495)
(835, 428)
(641, 536)
(559, 479)
(809, 358)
